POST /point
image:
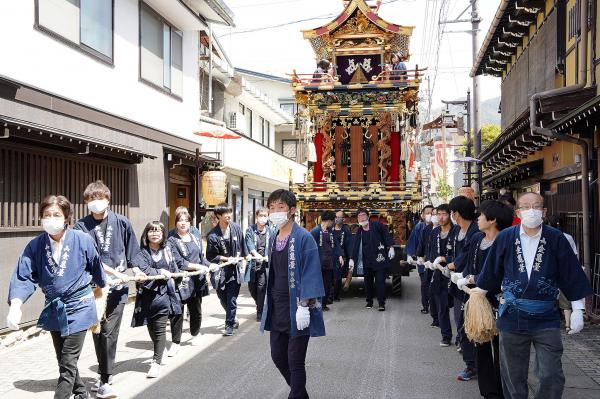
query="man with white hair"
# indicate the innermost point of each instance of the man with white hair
(528, 264)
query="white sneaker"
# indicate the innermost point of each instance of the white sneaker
(154, 370)
(197, 340)
(174, 350)
(96, 385)
(106, 392)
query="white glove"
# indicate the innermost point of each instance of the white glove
(14, 314)
(420, 261)
(576, 321)
(436, 262)
(445, 271)
(351, 264)
(265, 259)
(249, 257)
(428, 265)
(302, 317)
(462, 282)
(391, 253)
(410, 260)
(455, 277)
(165, 273)
(203, 269)
(213, 267)
(232, 260)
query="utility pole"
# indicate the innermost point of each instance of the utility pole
(476, 100)
(469, 141)
(444, 170)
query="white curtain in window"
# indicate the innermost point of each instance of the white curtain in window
(61, 17)
(96, 25)
(176, 63)
(151, 48)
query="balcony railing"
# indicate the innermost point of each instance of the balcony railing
(356, 188)
(410, 77)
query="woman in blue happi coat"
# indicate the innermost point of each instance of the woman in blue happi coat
(156, 301)
(528, 264)
(293, 308)
(62, 262)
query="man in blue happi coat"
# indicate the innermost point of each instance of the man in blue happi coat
(373, 247)
(424, 255)
(293, 307)
(414, 239)
(528, 264)
(343, 236)
(257, 242)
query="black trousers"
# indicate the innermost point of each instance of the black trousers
(289, 354)
(105, 343)
(433, 309)
(467, 347)
(327, 283)
(157, 328)
(194, 305)
(424, 290)
(375, 283)
(488, 369)
(67, 351)
(228, 299)
(258, 289)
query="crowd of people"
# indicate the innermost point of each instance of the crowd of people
(523, 266)
(294, 275)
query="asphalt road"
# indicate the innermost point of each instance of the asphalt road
(366, 354)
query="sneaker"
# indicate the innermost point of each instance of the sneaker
(369, 305)
(434, 325)
(259, 317)
(106, 391)
(154, 370)
(195, 341)
(424, 311)
(236, 324)
(445, 342)
(326, 308)
(84, 395)
(228, 331)
(459, 349)
(337, 299)
(174, 350)
(467, 374)
(98, 382)
(381, 308)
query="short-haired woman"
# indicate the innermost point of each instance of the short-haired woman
(156, 300)
(62, 262)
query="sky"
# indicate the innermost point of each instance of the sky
(281, 49)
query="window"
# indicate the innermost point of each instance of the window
(86, 24)
(242, 109)
(161, 53)
(268, 142)
(290, 148)
(262, 129)
(249, 122)
(290, 108)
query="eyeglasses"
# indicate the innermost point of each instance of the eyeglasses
(528, 207)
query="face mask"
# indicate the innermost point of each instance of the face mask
(98, 206)
(262, 220)
(53, 226)
(364, 223)
(278, 218)
(324, 226)
(532, 218)
(452, 219)
(339, 220)
(434, 219)
(428, 218)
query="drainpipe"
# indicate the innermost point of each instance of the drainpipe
(585, 181)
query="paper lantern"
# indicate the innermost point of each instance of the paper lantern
(214, 187)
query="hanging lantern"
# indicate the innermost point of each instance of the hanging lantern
(214, 187)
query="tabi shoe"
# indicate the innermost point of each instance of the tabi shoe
(445, 342)
(106, 391)
(369, 305)
(195, 341)
(154, 370)
(467, 374)
(174, 350)
(228, 332)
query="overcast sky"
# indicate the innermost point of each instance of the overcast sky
(281, 49)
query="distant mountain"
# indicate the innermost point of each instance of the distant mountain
(488, 112)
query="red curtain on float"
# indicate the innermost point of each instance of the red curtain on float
(394, 168)
(318, 166)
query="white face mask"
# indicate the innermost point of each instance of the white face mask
(532, 218)
(452, 219)
(428, 218)
(53, 226)
(262, 220)
(98, 206)
(434, 219)
(278, 218)
(364, 223)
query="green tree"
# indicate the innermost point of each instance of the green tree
(489, 133)
(443, 189)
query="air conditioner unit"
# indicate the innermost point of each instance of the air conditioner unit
(237, 122)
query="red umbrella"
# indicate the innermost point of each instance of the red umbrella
(218, 132)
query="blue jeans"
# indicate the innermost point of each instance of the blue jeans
(514, 363)
(441, 301)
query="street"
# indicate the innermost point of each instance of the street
(366, 354)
